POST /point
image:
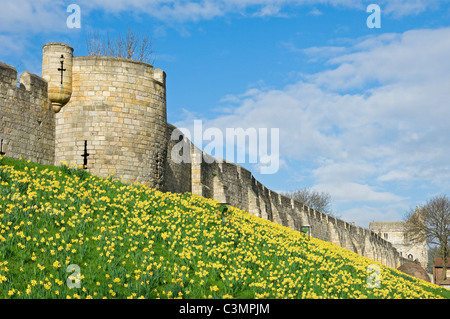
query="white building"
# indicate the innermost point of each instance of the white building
(394, 233)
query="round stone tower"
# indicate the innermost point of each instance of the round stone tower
(57, 71)
(118, 110)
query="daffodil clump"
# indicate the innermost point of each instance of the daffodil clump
(67, 234)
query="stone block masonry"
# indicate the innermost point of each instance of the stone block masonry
(394, 233)
(119, 107)
(177, 175)
(57, 71)
(27, 123)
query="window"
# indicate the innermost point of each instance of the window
(385, 236)
(410, 256)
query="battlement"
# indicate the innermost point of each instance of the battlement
(31, 86)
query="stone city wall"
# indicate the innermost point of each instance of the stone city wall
(27, 123)
(177, 174)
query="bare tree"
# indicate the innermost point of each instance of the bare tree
(131, 46)
(320, 201)
(431, 222)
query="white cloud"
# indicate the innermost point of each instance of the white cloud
(394, 129)
(322, 52)
(21, 20)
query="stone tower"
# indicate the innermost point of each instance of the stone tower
(57, 71)
(118, 106)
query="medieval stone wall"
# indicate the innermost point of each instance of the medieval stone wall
(27, 123)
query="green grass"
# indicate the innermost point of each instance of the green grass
(131, 241)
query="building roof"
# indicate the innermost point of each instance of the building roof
(438, 262)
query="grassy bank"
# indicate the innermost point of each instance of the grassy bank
(131, 241)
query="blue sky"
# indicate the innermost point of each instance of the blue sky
(363, 113)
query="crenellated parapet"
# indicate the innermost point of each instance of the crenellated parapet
(394, 233)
